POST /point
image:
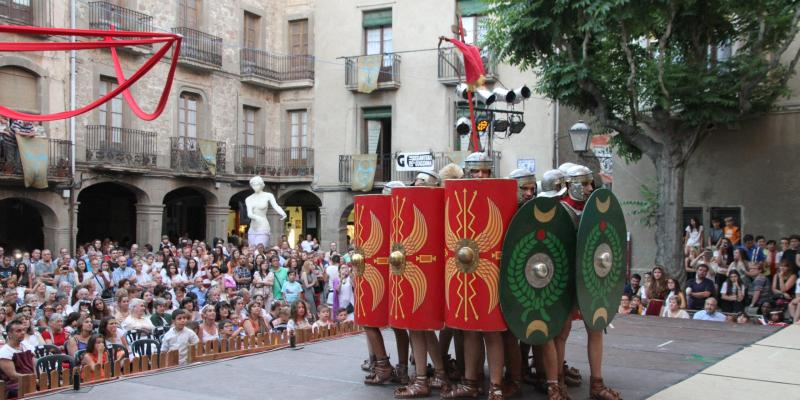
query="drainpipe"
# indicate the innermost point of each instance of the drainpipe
(555, 134)
(72, 124)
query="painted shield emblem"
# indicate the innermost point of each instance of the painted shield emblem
(601, 255)
(537, 275)
(371, 259)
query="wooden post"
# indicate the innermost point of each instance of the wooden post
(107, 368)
(136, 364)
(173, 358)
(27, 385)
(162, 360)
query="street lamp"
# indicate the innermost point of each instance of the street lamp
(579, 134)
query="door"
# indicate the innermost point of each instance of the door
(379, 41)
(379, 142)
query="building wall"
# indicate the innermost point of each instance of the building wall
(422, 108)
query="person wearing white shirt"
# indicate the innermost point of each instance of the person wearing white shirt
(308, 244)
(331, 274)
(709, 313)
(179, 337)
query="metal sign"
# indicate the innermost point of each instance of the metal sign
(414, 161)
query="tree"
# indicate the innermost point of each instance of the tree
(662, 74)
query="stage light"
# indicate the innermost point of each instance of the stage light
(516, 125)
(485, 96)
(461, 91)
(521, 93)
(505, 95)
(501, 125)
(463, 126)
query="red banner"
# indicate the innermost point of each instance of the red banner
(371, 272)
(151, 38)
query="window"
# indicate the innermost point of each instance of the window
(19, 90)
(378, 139)
(734, 212)
(109, 114)
(298, 133)
(247, 137)
(188, 104)
(473, 19)
(189, 13)
(298, 37)
(251, 32)
(378, 31)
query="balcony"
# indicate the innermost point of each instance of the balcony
(186, 156)
(199, 50)
(120, 149)
(287, 164)
(449, 57)
(388, 77)
(58, 160)
(25, 12)
(275, 71)
(105, 15)
(386, 171)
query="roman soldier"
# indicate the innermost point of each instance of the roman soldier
(526, 183)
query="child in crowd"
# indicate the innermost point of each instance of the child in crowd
(636, 305)
(324, 320)
(291, 288)
(279, 323)
(341, 316)
(179, 337)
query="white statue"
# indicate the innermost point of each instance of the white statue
(257, 205)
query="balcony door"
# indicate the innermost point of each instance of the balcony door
(247, 138)
(110, 114)
(378, 39)
(378, 140)
(189, 12)
(188, 104)
(298, 134)
(250, 31)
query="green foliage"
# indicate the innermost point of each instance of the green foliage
(646, 208)
(616, 59)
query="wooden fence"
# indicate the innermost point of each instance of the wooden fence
(33, 385)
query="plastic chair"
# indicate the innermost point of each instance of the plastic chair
(46, 349)
(53, 362)
(143, 347)
(79, 356)
(159, 332)
(134, 335)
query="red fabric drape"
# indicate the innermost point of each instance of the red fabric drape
(145, 38)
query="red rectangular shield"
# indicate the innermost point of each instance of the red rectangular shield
(477, 214)
(416, 299)
(371, 242)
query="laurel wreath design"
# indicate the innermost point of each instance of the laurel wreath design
(529, 297)
(598, 287)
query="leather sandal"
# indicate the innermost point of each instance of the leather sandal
(440, 381)
(599, 391)
(511, 388)
(496, 392)
(368, 364)
(382, 373)
(401, 374)
(416, 389)
(538, 381)
(555, 392)
(467, 389)
(571, 372)
(571, 381)
(453, 372)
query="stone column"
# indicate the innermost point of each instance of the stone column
(217, 222)
(149, 222)
(276, 226)
(56, 238)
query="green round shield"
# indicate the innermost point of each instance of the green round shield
(601, 255)
(537, 275)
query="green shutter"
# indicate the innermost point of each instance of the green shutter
(374, 19)
(378, 113)
(472, 7)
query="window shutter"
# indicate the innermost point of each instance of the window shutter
(472, 7)
(373, 19)
(19, 90)
(378, 113)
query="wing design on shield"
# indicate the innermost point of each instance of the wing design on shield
(404, 258)
(365, 271)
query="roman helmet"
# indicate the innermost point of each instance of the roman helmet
(387, 188)
(553, 183)
(526, 181)
(577, 176)
(426, 179)
(477, 161)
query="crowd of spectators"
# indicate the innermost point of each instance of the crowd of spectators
(104, 296)
(729, 277)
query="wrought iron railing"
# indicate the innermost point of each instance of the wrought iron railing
(263, 64)
(385, 169)
(120, 146)
(186, 155)
(105, 15)
(58, 158)
(25, 12)
(389, 72)
(451, 65)
(200, 46)
(277, 162)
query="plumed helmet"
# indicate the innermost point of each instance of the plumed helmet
(577, 175)
(477, 160)
(388, 186)
(553, 183)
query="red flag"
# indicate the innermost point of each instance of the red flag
(473, 64)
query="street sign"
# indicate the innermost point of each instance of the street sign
(422, 161)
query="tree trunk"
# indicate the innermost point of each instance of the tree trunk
(670, 171)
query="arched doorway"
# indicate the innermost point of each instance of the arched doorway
(107, 210)
(22, 226)
(302, 214)
(238, 221)
(185, 214)
(346, 226)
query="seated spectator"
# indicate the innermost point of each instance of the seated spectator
(674, 290)
(794, 306)
(32, 336)
(281, 321)
(699, 289)
(731, 231)
(96, 354)
(740, 262)
(161, 318)
(636, 305)
(16, 358)
(776, 319)
(624, 305)
(673, 310)
(137, 320)
(709, 313)
(179, 337)
(324, 320)
(757, 287)
(656, 288)
(742, 318)
(113, 334)
(80, 340)
(783, 285)
(208, 327)
(298, 316)
(291, 288)
(732, 293)
(715, 234)
(225, 328)
(633, 287)
(255, 322)
(55, 334)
